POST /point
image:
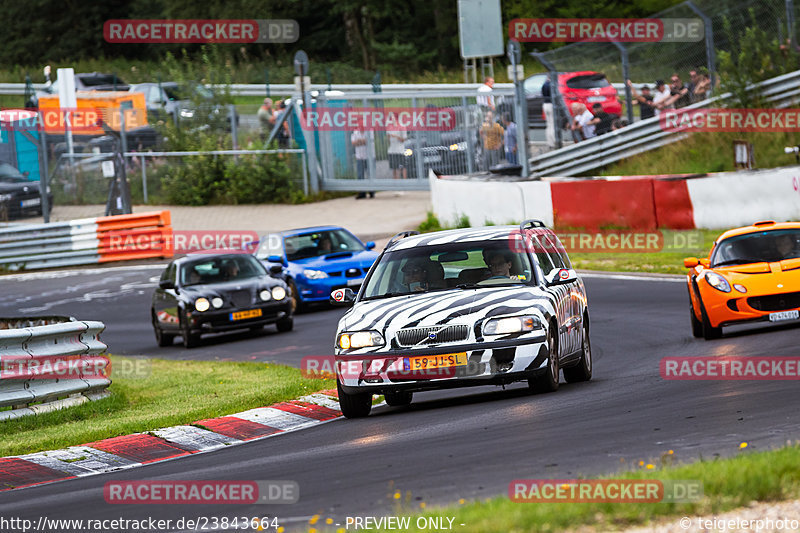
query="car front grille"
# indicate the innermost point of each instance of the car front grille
(442, 334)
(241, 298)
(775, 302)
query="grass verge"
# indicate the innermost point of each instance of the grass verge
(161, 393)
(663, 262)
(727, 484)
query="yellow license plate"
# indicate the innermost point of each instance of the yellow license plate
(423, 362)
(241, 315)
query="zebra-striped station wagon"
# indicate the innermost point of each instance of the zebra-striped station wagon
(463, 307)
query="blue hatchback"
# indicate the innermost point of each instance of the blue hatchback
(317, 260)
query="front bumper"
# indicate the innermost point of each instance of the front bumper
(489, 363)
(737, 310)
(220, 320)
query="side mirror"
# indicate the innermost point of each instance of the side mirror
(278, 259)
(562, 277)
(343, 297)
(370, 245)
(275, 269)
(691, 262)
(166, 284)
(705, 263)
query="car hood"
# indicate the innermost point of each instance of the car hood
(764, 278)
(7, 187)
(339, 260)
(218, 289)
(462, 306)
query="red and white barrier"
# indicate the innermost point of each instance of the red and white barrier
(717, 201)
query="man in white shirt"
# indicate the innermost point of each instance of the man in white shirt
(485, 98)
(662, 98)
(583, 120)
(396, 153)
(359, 141)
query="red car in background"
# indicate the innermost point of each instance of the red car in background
(585, 87)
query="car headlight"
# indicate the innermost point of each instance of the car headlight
(201, 304)
(216, 302)
(458, 146)
(514, 324)
(718, 282)
(360, 339)
(187, 113)
(265, 295)
(279, 293)
(740, 288)
(408, 152)
(315, 274)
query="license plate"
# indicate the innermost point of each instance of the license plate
(432, 158)
(31, 202)
(354, 282)
(424, 362)
(250, 313)
(596, 98)
(784, 315)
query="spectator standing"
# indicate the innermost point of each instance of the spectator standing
(679, 93)
(583, 121)
(510, 139)
(492, 135)
(703, 85)
(266, 117)
(549, 116)
(485, 97)
(359, 141)
(397, 148)
(693, 80)
(283, 134)
(661, 100)
(604, 120)
(645, 100)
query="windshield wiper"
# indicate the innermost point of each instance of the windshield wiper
(468, 286)
(387, 295)
(740, 261)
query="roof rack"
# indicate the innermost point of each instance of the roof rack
(531, 223)
(401, 235)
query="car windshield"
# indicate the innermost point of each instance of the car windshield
(762, 246)
(95, 80)
(590, 81)
(210, 270)
(317, 243)
(441, 267)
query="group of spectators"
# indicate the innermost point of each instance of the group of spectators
(268, 116)
(591, 123)
(498, 134)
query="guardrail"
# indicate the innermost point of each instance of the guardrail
(63, 346)
(86, 241)
(781, 91)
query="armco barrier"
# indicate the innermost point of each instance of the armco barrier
(717, 201)
(62, 337)
(84, 241)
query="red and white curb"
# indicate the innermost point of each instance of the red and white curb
(130, 451)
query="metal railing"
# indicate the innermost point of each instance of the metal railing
(62, 339)
(642, 136)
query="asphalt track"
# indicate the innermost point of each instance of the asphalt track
(467, 443)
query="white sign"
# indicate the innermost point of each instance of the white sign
(108, 169)
(480, 28)
(520, 72)
(306, 83)
(66, 89)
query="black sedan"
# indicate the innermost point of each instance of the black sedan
(211, 293)
(18, 195)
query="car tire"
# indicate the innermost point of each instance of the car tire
(710, 332)
(399, 398)
(583, 370)
(354, 405)
(190, 340)
(697, 326)
(285, 324)
(548, 381)
(163, 339)
(297, 304)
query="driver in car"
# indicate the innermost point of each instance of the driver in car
(785, 246)
(499, 263)
(415, 276)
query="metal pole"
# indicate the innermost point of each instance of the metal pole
(626, 76)
(370, 147)
(520, 108)
(420, 163)
(470, 148)
(559, 107)
(305, 173)
(45, 177)
(711, 54)
(790, 22)
(144, 181)
(124, 189)
(234, 136)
